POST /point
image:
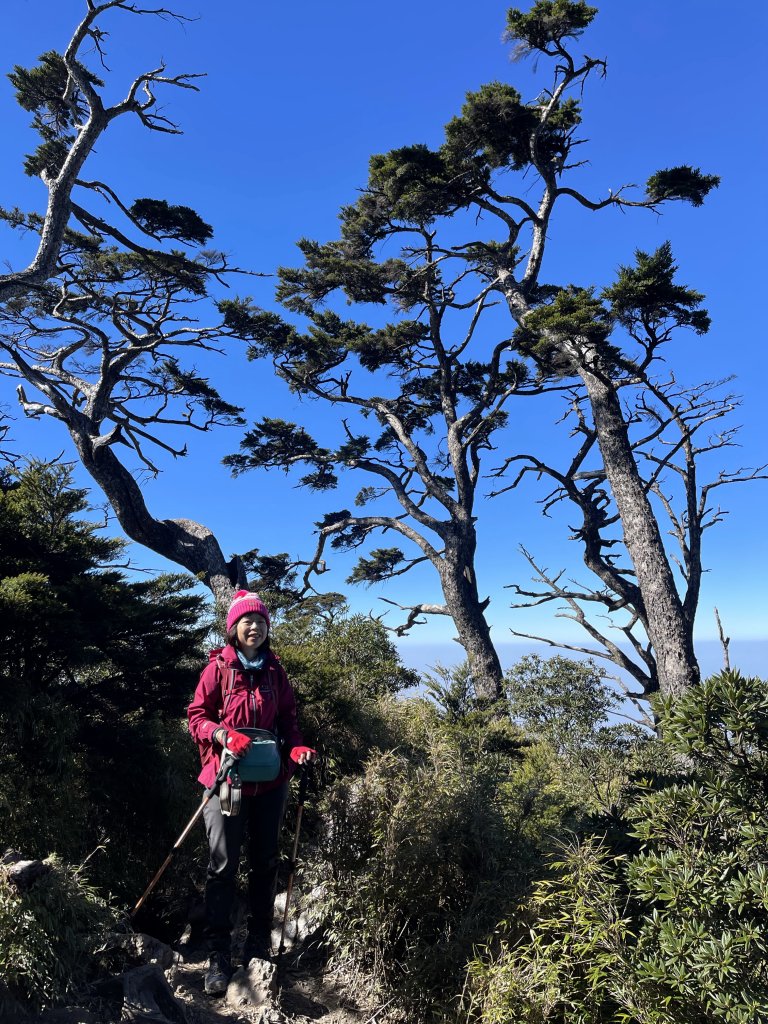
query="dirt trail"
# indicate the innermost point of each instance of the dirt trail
(148, 982)
(306, 995)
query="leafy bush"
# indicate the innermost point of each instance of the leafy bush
(567, 704)
(47, 935)
(676, 933)
(424, 850)
(573, 962)
(345, 670)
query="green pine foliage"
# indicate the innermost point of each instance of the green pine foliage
(162, 219)
(647, 296)
(548, 23)
(43, 90)
(96, 672)
(674, 932)
(554, 333)
(685, 184)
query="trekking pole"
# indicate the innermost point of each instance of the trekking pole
(226, 763)
(292, 862)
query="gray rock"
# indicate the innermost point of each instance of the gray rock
(24, 873)
(254, 985)
(272, 1016)
(148, 999)
(304, 919)
(142, 949)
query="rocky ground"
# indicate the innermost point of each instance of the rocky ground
(151, 982)
(143, 980)
(300, 992)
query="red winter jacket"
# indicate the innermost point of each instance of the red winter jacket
(261, 699)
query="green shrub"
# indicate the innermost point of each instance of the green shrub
(569, 705)
(144, 786)
(567, 966)
(676, 933)
(345, 671)
(41, 760)
(47, 935)
(422, 853)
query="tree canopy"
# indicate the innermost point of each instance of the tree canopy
(103, 323)
(443, 238)
(94, 668)
(445, 247)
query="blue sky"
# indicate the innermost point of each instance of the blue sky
(298, 96)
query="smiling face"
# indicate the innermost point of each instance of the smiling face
(251, 632)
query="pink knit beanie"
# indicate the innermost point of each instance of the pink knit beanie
(243, 602)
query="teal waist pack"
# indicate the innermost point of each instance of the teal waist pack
(261, 761)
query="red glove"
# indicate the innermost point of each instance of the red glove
(303, 755)
(237, 743)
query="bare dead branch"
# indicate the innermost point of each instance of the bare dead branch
(414, 613)
(724, 642)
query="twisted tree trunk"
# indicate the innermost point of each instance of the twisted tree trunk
(669, 628)
(183, 541)
(468, 613)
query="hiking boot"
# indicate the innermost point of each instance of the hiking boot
(257, 947)
(218, 974)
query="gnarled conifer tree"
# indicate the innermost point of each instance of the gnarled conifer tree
(99, 323)
(422, 399)
(668, 431)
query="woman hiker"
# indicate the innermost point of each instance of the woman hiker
(243, 686)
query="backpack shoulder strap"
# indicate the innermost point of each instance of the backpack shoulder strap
(226, 677)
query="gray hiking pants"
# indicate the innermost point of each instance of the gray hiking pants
(260, 819)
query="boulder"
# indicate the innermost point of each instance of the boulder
(302, 925)
(254, 985)
(24, 873)
(148, 999)
(138, 948)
